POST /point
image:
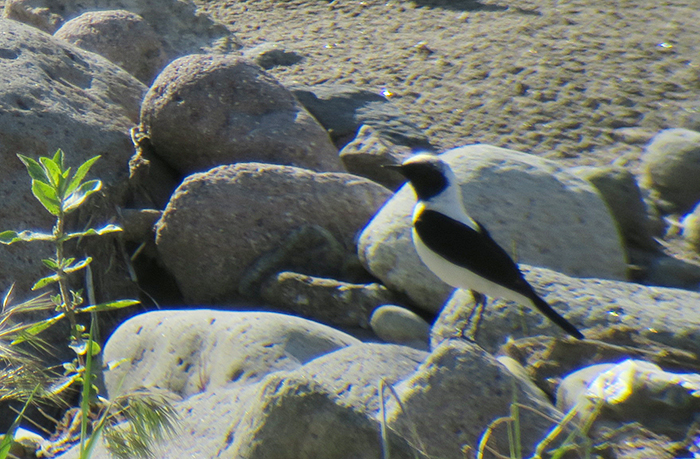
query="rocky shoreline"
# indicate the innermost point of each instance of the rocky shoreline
(242, 146)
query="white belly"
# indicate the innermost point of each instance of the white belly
(459, 277)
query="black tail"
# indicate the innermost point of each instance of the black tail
(554, 316)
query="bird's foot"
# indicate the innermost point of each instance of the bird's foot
(471, 327)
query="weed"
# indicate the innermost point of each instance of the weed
(149, 415)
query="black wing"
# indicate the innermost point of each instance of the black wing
(479, 253)
(473, 249)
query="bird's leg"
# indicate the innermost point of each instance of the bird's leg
(472, 326)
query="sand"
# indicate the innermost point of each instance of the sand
(559, 79)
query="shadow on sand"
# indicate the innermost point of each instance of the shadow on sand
(472, 5)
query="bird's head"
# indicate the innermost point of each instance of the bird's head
(427, 173)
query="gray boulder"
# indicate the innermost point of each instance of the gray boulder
(691, 229)
(343, 108)
(618, 188)
(671, 168)
(54, 95)
(328, 301)
(290, 400)
(179, 25)
(219, 223)
(296, 418)
(123, 37)
(633, 390)
(368, 152)
(270, 55)
(667, 271)
(310, 249)
(532, 208)
(395, 324)
(667, 316)
(188, 352)
(207, 110)
(353, 373)
(454, 396)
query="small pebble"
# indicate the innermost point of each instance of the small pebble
(398, 325)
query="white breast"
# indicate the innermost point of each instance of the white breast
(459, 277)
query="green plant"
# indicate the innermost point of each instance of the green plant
(512, 422)
(61, 193)
(149, 414)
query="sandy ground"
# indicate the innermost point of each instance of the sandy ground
(551, 77)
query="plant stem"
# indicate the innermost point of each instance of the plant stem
(66, 298)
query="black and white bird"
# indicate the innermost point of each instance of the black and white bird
(457, 248)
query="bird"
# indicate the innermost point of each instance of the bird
(458, 249)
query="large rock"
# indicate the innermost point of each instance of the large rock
(294, 418)
(672, 167)
(668, 316)
(368, 153)
(328, 301)
(188, 352)
(633, 390)
(454, 396)
(354, 373)
(618, 188)
(55, 95)
(283, 417)
(310, 249)
(290, 400)
(219, 223)
(178, 23)
(343, 108)
(532, 208)
(691, 228)
(123, 37)
(207, 110)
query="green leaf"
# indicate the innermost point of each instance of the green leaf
(119, 304)
(77, 197)
(78, 266)
(44, 281)
(9, 438)
(87, 385)
(58, 158)
(36, 172)
(47, 197)
(50, 263)
(80, 174)
(93, 232)
(37, 328)
(82, 347)
(63, 183)
(53, 171)
(10, 237)
(106, 230)
(69, 367)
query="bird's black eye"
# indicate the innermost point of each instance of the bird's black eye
(427, 179)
